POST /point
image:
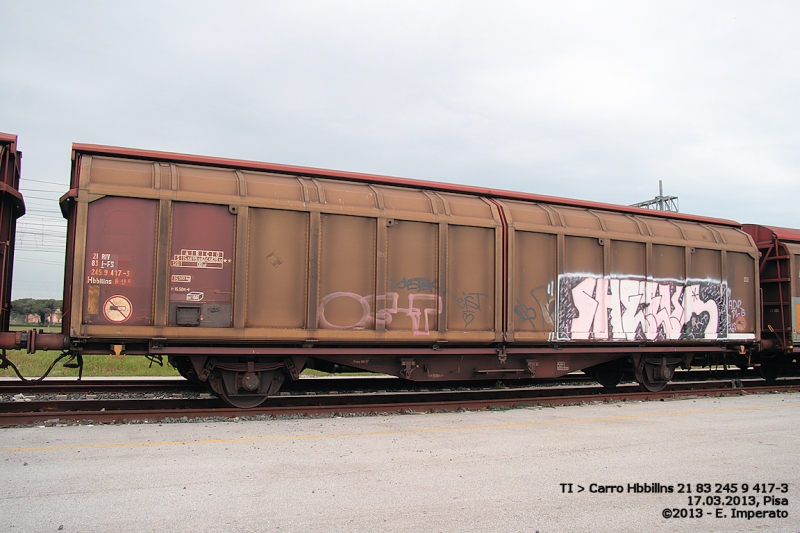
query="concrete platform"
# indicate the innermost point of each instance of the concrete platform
(480, 471)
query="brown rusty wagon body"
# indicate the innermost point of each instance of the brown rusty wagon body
(242, 273)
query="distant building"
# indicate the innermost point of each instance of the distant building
(33, 318)
(54, 317)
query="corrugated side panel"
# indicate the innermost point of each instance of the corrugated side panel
(277, 272)
(412, 302)
(201, 265)
(742, 287)
(534, 285)
(347, 273)
(120, 254)
(471, 279)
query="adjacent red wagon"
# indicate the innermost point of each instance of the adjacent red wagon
(11, 208)
(779, 270)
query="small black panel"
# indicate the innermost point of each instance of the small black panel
(187, 316)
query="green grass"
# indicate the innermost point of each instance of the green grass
(34, 365)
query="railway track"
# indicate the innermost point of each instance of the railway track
(164, 386)
(70, 386)
(169, 408)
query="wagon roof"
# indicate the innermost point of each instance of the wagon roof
(134, 153)
(783, 234)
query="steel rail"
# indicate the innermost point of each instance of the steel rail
(327, 383)
(315, 384)
(152, 409)
(96, 386)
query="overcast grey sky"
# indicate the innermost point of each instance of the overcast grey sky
(590, 100)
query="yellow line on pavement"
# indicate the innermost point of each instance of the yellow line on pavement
(385, 433)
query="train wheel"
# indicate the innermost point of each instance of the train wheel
(245, 390)
(608, 376)
(769, 371)
(654, 377)
(243, 401)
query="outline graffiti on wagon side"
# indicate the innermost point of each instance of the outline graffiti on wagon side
(605, 308)
(419, 313)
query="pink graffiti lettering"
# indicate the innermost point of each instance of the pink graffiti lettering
(366, 315)
(635, 309)
(421, 308)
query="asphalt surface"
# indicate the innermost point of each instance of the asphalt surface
(477, 471)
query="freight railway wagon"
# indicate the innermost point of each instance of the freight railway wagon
(244, 273)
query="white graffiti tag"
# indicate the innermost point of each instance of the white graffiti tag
(634, 309)
(421, 308)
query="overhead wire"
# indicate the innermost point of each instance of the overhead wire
(42, 181)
